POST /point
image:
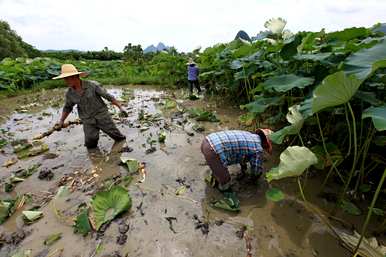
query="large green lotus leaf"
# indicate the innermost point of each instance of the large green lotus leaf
(348, 34)
(284, 83)
(296, 119)
(335, 89)
(106, 205)
(378, 115)
(260, 104)
(364, 62)
(313, 57)
(293, 162)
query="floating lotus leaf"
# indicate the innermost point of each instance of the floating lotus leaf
(4, 210)
(274, 194)
(132, 164)
(82, 224)
(22, 253)
(202, 115)
(293, 162)
(31, 216)
(51, 239)
(106, 205)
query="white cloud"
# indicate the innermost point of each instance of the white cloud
(93, 24)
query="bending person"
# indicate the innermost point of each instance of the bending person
(225, 148)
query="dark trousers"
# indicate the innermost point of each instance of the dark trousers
(219, 171)
(91, 131)
(194, 83)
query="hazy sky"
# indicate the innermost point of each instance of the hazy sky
(94, 24)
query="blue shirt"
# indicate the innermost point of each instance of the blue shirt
(192, 72)
(236, 146)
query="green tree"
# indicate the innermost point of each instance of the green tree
(133, 53)
(12, 45)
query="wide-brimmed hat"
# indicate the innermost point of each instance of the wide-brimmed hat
(69, 70)
(190, 61)
(266, 142)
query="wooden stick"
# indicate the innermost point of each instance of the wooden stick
(55, 128)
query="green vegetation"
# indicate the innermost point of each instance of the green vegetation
(11, 45)
(329, 87)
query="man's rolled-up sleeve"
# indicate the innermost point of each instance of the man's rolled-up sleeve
(103, 93)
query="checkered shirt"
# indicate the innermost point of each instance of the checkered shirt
(236, 146)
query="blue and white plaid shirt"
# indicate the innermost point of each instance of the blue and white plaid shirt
(236, 146)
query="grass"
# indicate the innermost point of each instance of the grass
(47, 84)
(120, 80)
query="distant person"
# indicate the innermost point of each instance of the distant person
(225, 148)
(193, 72)
(92, 110)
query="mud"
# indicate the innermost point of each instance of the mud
(160, 223)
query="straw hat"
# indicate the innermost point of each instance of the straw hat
(267, 145)
(69, 70)
(190, 61)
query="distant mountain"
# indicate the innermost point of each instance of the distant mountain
(243, 35)
(380, 28)
(153, 49)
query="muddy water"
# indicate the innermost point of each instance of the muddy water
(283, 229)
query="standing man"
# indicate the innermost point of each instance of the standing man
(92, 110)
(193, 76)
(225, 148)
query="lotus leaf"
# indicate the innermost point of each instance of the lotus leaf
(296, 119)
(106, 205)
(274, 194)
(378, 116)
(335, 89)
(82, 224)
(293, 162)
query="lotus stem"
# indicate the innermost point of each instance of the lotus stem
(351, 174)
(325, 148)
(364, 156)
(301, 189)
(349, 132)
(370, 212)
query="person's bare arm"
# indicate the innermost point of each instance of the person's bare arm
(103, 93)
(63, 118)
(117, 104)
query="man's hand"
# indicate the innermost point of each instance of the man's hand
(58, 126)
